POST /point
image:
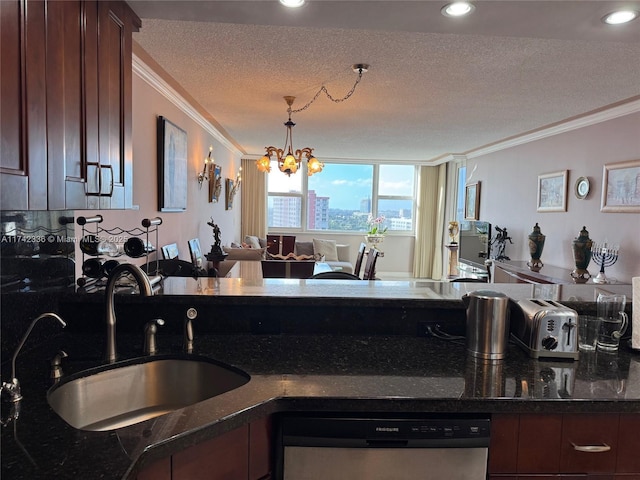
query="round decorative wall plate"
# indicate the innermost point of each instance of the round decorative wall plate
(582, 187)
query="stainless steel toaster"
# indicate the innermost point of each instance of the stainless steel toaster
(545, 329)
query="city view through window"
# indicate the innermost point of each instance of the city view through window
(342, 197)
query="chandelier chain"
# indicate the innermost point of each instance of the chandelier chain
(329, 96)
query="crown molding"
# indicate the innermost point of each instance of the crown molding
(619, 110)
(146, 73)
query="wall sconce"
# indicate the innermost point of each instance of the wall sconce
(231, 189)
(204, 175)
(236, 184)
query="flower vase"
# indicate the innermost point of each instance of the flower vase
(374, 241)
(536, 244)
(581, 247)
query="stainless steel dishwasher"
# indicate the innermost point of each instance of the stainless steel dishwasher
(359, 448)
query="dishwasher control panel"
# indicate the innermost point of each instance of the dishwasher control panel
(472, 432)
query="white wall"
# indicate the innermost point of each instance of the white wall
(509, 193)
(178, 228)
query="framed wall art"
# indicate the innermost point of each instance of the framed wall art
(215, 183)
(229, 193)
(552, 192)
(172, 167)
(621, 187)
(472, 201)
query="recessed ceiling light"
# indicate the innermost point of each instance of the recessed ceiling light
(621, 16)
(292, 3)
(457, 9)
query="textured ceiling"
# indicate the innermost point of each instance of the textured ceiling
(436, 86)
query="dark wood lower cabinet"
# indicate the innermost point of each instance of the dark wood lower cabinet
(585, 431)
(243, 453)
(260, 434)
(628, 460)
(570, 446)
(224, 457)
(159, 470)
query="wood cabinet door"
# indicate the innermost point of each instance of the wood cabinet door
(66, 106)
(159, 470)
(23, 113)
(628, 460)
(221, 458)
(116, 23)
(584, 432)
(503, 449)
(539, 440)
(260, 463)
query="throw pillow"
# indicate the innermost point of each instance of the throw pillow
(304, 248)
(327, 248)
(252, 241)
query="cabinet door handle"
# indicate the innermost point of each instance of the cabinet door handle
(591, 448)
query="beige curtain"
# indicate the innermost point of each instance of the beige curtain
(427, 259)
(254, 200)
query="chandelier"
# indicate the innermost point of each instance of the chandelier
(290, 160)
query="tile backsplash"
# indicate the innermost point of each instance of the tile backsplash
(37, 251)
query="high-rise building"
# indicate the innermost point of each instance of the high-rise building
(318, 212)
(365, 205)
(285, 212)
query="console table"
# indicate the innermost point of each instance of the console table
(518, 272)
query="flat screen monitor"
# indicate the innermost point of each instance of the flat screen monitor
(474, 244)
(196, 253)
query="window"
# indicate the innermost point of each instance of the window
(341, 197)
(462, 181)
(395, 196)
(285, 198)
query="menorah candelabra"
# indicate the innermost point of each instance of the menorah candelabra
(605, 256)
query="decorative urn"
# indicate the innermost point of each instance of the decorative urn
(536, 245)
(581, 247)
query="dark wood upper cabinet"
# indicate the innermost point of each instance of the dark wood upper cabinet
(66, 104)
(23, 116)
(116, 24)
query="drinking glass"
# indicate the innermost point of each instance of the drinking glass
(613, 321)
(588, 329)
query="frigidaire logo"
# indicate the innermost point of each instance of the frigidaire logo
(387, 429)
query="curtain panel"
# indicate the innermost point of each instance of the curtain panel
(427, 261)
(253, 213)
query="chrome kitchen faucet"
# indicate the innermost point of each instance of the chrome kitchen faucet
(145, 290)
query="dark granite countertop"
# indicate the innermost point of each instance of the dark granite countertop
(308, 346)
(359, 373)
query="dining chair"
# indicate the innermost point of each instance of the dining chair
(334, 276)
(358, 265)
(370, 266)
(281, 244)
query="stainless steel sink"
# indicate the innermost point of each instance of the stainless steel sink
(129, 392)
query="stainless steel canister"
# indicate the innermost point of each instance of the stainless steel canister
(487, 324)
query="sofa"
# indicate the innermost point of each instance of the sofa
(255, 249)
